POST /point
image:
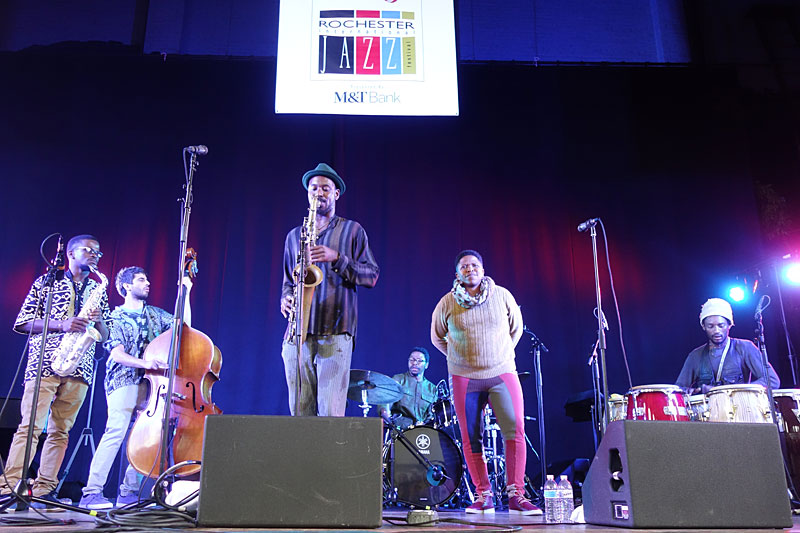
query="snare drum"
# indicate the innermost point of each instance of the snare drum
(617, 406)
(657, 402)
(738, 403)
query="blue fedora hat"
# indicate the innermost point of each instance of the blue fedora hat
(324, 170)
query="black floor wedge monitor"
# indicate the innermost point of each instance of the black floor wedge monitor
(281, 471)
(657, 474)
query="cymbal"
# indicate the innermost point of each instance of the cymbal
(380, 388)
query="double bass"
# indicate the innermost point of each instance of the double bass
(199, 364)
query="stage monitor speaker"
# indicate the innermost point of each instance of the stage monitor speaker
(281, 471)
(655, 474)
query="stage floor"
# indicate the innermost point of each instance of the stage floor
(499, 522)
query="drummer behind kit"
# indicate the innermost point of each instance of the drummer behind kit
(423, 465)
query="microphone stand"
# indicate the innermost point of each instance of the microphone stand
(177, 321)
(601, 333)
(762, 347)
(537, 347)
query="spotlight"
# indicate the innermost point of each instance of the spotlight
(791, 273)
(737, 293)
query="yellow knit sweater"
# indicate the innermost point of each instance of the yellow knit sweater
(478, 342)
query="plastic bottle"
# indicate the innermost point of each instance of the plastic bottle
(565, 500)
(551, 507)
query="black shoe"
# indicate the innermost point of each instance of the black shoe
(50, 497)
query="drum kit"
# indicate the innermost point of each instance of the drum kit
(423, 464)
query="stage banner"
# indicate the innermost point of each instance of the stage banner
(367, 57)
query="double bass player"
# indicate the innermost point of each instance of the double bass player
(135, 325)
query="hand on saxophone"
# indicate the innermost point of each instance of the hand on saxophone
(286, 305)
(74, 323)
(95, 315)
(323, 254)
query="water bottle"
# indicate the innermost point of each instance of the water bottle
(551, 514)
(565, 500)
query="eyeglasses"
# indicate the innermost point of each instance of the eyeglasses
(91, 251)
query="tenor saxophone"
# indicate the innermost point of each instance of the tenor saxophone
(306, 277)
(75, 344)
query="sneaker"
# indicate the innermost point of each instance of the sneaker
(127, 499)
(50, 497)
(95, 501)
(484, 504)
(519, 504)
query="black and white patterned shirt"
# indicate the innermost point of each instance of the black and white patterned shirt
(133, 330)
(64, 300)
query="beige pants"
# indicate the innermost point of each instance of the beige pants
(63, 397)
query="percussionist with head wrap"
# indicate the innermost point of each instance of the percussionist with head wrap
(723, 360)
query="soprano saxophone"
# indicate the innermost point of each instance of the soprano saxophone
(306, 277)
(75, 344)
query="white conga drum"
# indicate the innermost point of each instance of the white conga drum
(617, 406)
(738, 403)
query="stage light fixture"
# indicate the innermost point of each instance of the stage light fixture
(737, 293)
(791, 273)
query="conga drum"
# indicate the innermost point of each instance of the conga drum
(657, 402)
(738, 403)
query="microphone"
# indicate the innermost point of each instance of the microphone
(583, 226)
(58, 262)
(200, 149)
(763, 302)
(435, 475)
(602, 319)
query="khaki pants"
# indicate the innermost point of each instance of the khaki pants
(64, 398)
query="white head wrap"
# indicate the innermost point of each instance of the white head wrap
(716, 307)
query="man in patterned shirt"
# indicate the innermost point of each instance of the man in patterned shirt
(62, 395)
(342, 253)
(136, 324)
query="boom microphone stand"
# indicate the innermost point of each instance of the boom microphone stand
(762, 347)
(591, 225)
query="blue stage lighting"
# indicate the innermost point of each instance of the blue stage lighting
(737, 293)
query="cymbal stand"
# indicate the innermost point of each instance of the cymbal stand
(364, 405)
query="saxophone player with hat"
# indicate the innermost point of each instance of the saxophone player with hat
(80, 306)
(336, 254)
